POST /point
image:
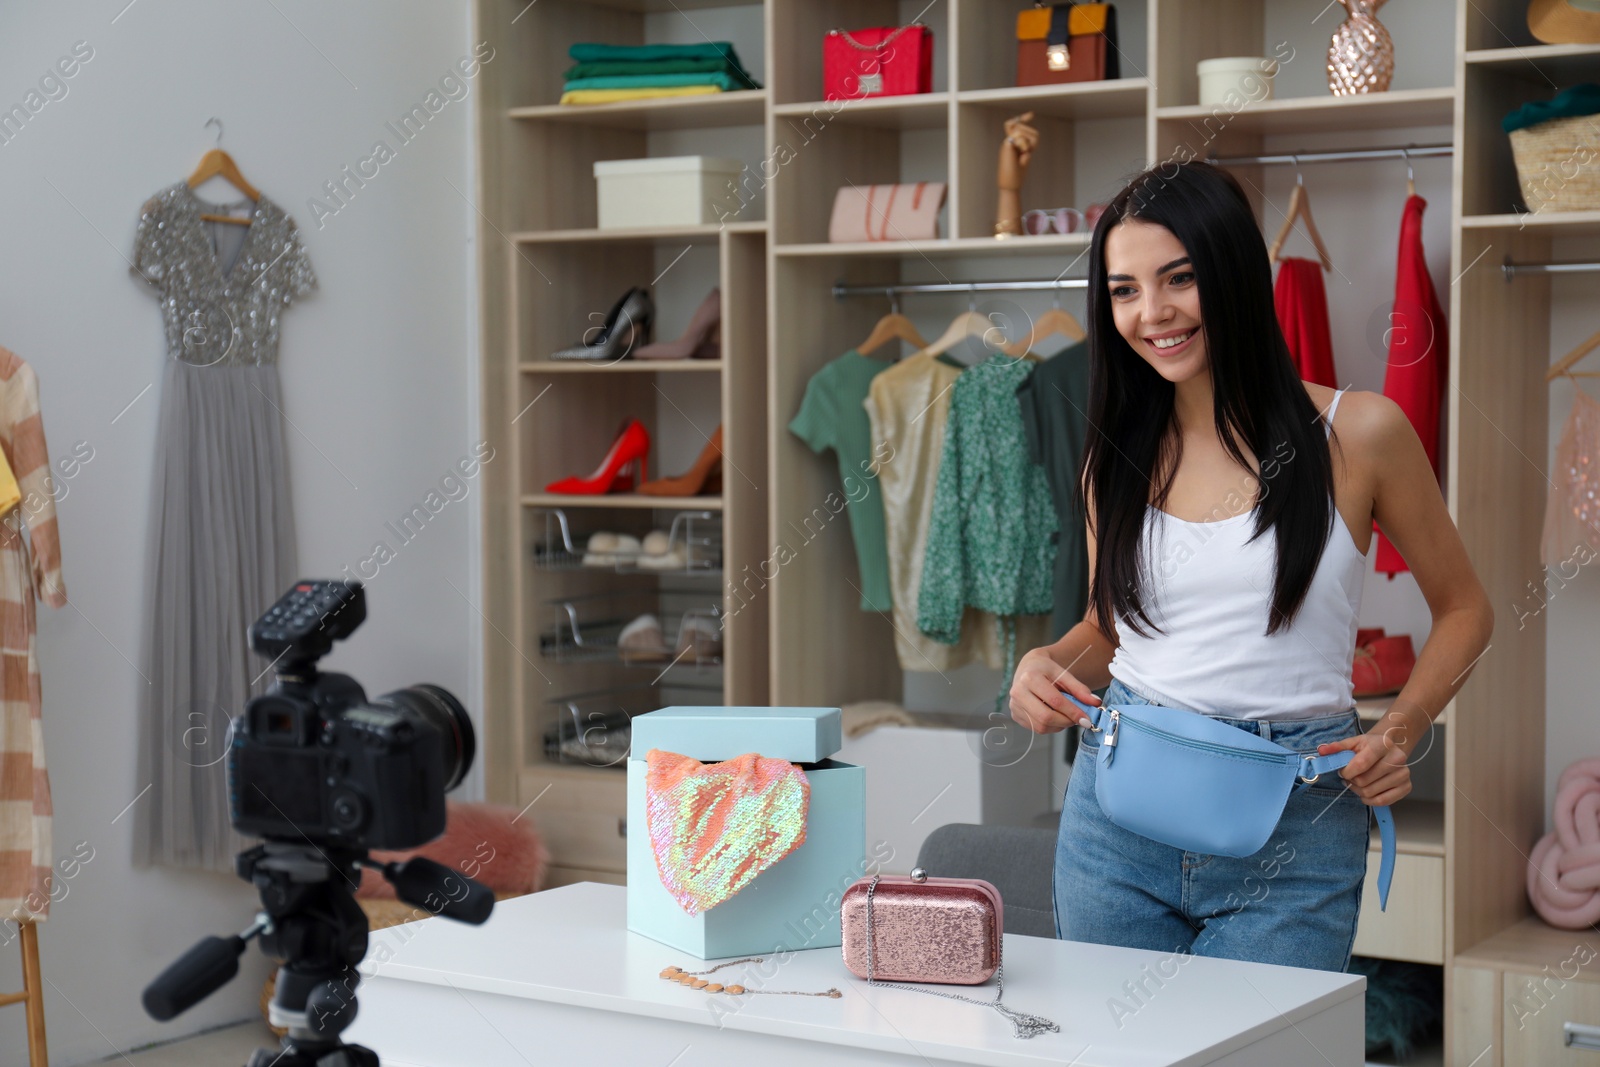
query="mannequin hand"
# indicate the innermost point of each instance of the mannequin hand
(1036, 694)
(1379, 773)
(1016, 150)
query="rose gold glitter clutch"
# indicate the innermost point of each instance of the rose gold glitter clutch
(944, 930)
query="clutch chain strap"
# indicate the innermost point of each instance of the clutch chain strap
(853, 43)
(1023, 1024)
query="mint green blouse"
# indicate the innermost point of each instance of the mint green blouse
(991, 538)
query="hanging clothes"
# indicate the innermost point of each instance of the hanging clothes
(30, 570)
(1054, 401)
(908, 405)
(1572, 512)
(1302, 305)
(991, 538)
(831, 416)
(221, 545)
(1419, 355)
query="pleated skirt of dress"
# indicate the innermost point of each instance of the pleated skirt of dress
(221, 551)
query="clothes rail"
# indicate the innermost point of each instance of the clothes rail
(841, 291)
(1409, 152)
(1512, 269)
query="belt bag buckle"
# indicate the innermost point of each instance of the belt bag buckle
(1190, 782)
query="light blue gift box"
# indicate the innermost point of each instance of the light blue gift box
(794, 904)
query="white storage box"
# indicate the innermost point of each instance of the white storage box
(1235, 81)
(666, 191)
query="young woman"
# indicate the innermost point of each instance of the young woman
(1230, 507)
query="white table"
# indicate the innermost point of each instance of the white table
(556, 978)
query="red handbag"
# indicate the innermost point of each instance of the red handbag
(878, 61)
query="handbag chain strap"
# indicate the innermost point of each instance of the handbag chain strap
(1023, 1024)
(853, 43)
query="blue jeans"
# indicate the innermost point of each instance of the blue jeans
(1294, 902)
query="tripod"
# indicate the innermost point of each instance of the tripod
(311, 921)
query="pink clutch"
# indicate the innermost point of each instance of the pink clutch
(908, 212)
(922, 929)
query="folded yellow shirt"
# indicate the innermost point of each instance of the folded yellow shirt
(607, 96)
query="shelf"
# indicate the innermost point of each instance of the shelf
(741, 107)
(1326, 114)
(643, 366)
(1053, 244)
(1121, 98)
(1528, 947)
(620, 500)
(705, 233)
(1551, 223)
(1559, 63)
(666, 6)
(909, 111)
(744, 107)
(1371, 709)
(1418, 828)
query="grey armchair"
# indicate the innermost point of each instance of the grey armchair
(1019, 861)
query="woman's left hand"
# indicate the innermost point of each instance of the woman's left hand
(1379, 774)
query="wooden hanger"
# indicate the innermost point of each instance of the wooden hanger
(1411, 177)
(1561, 365)
(970, 323)
(1055, 320)
(893, 326)
(1300, 207)
(217, 163)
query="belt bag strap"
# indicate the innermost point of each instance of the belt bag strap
(1183, 779)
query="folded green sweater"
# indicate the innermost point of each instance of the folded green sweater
(725, 82)
(1581, 99)
(610, 68)
(590, 52)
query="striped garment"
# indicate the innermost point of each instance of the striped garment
(27, 573)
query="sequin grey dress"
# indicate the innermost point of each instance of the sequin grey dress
(221, 541)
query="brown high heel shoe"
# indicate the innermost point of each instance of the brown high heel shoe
(696, 339)
(696, 479)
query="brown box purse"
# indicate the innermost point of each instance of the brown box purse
(1059, 43)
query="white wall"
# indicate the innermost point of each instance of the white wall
(378, 381)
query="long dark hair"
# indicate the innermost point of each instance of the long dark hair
(1133, 437)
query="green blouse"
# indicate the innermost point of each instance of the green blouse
(991, 539)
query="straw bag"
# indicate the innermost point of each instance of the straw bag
(1556, 145)
(1558, 164)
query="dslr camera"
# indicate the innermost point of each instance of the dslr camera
(315, 759)
(324, 775)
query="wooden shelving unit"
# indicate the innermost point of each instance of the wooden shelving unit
(798, 636)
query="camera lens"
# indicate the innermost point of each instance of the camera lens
(435, 705)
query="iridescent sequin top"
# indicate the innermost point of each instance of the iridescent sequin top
(215, 315)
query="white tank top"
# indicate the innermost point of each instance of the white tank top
(1210, 594)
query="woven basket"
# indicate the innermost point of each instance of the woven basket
(1558, 164)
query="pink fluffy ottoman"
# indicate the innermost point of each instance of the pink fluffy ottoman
(488, 843)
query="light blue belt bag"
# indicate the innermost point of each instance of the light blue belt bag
(1188, 781)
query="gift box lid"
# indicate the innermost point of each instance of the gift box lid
(799, 735)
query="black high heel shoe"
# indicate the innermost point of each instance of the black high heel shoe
(628, 327)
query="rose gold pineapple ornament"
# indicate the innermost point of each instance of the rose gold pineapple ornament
(1360, 55)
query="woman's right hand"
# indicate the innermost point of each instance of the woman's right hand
(1037, 699)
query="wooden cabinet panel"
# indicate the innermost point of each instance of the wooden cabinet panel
(1474, 1014)
(560, 876)
(1413, 926)
(1536, 1010)
(580, 815)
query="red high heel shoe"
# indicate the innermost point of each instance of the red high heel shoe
(631, 447)
(1382, 664)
